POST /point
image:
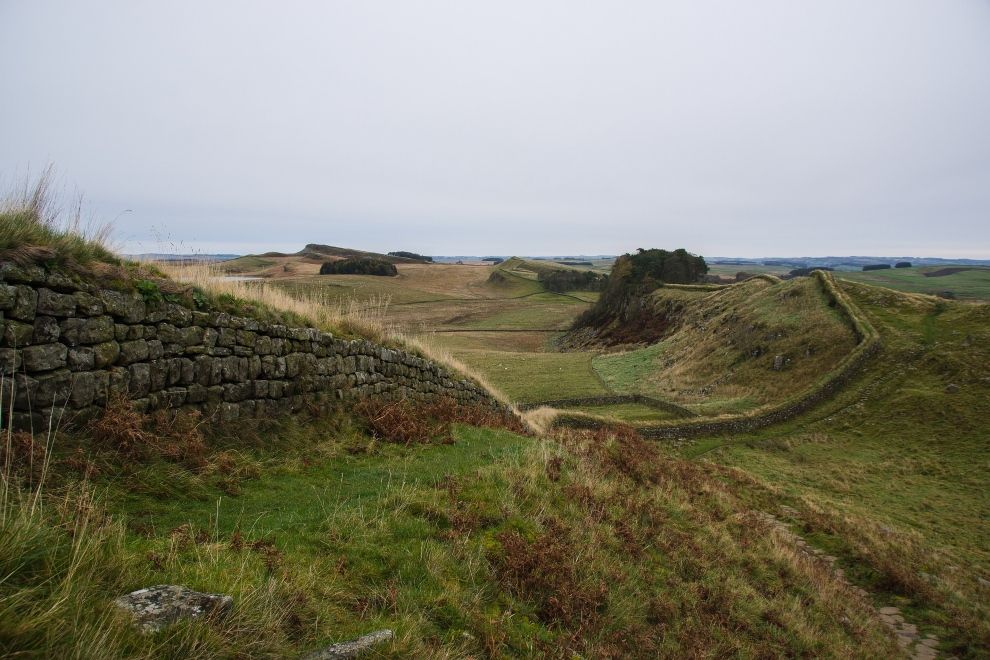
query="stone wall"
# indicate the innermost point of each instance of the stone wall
(67, 346)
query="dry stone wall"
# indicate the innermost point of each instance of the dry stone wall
(67, 347)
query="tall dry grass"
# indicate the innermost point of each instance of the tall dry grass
(36, 224)
(367, 319)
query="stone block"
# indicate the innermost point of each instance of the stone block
(53, 388)
(139, 384)
(130, 307)
(44, 357)
(25, 303)
(46, 330)
(133, 351)
(76, 331)
(51, 303)
(83, 391)
(10, 361)
(81, 358)
(178, 315)
(87, 305)
(8, 295)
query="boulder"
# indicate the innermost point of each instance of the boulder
(155, 607)
(352, 648)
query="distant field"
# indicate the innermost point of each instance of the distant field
(968, 283)
(534, 377)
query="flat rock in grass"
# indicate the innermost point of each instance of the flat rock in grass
(155, 607)
(351, 649)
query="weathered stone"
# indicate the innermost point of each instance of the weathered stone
(10, 360)
(82, 358)
(25, 303)
(8, 295)
(177, 314)
(951, 388)
(17, 334)
(133, 351)
(120, 378)
(77, 331)
(127, 306)
(196, 393)
(83, 389)
(53, 388)
(106, 354)
(155, 349)
(157, 607)
(158, 379)
(140, 379)
(46, 330)
(44, 357)
(353, 648)
(55, 304)
(87, 305)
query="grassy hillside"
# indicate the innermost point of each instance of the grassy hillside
(494, 544)
(892, 474)
(721, 353)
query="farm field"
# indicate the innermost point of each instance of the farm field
(964, 282)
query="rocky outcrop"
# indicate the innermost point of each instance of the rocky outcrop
(68, 346)
(155, 607)
(353, 648)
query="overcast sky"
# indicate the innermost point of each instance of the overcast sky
(728, 128)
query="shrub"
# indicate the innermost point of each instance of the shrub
(405, 422)
(572, 280)
(359, 266)
(876, 266)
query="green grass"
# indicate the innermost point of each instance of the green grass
(29, 233)
(495, 545)
(627, 373)
(630, 413)
(534, 377)
(971, 284)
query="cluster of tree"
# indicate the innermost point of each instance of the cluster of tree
(410, 255)
(635, 275)
(902, 264)
(359, 266)
(572, 280)
(876, 267)
(494, 260)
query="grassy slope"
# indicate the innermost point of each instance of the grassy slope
(721, 357)
(533, 377)
(495, 545)
(898, 463)
(971, 284)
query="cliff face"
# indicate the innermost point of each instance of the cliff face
(624, 314)
(67, 346)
